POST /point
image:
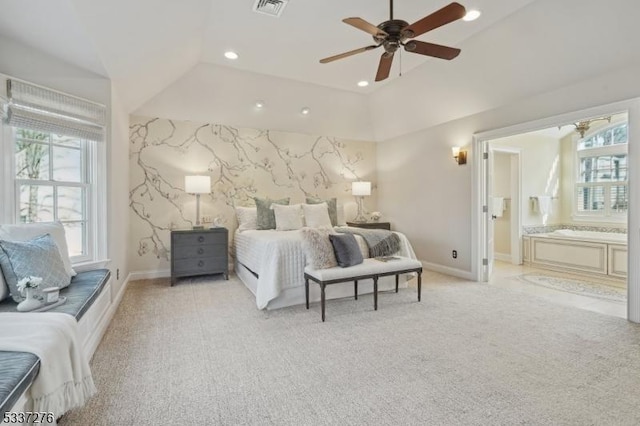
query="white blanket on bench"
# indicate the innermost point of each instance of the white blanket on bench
(64, 380)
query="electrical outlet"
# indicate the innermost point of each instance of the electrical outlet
(454, 254)
(207, 219)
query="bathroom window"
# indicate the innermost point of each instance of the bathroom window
(601, 188)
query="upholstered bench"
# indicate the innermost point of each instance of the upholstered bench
(88, 298)
(369, 269)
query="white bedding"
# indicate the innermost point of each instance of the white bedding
(278, 259)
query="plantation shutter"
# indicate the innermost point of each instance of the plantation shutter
(36, 108)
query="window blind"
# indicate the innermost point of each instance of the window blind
(36, 108)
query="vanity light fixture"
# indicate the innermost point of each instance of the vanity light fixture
(231, 55)
(471, 15)
(459, 155)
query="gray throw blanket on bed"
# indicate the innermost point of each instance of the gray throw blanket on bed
(380, 242)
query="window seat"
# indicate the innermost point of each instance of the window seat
(88, 300)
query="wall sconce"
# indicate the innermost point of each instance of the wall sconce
(197, 185)
(460, 156)
(360, 190)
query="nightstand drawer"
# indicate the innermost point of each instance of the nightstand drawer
(197, 251)
(203, 238)
(199, 266)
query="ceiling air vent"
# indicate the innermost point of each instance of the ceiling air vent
(270, 7)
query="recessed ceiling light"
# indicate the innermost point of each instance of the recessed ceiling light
(230, 55)
(259, 104)
(363, 83)
(305, 110)
(471, 15)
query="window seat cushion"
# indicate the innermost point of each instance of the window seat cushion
(81, 293)
(17, 372)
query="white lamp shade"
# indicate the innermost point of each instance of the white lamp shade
(360, 189)
(197, 184)
(455, 151)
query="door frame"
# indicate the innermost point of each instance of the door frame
(515, 193)
(479, 188)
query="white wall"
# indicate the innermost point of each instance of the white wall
(25, 63)
(217, 94)
(427, 195)
(541, 171)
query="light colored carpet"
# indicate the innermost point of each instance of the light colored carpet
(200, 353)
(582, 287)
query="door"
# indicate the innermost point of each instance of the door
(490, 217)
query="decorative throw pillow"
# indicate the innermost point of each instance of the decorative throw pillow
(247, 218)
(332, 205)
(346, 249)
(28, 231)
(288, 218)
(39, 258)
(265, 217)
(316, 215)
(318, 249)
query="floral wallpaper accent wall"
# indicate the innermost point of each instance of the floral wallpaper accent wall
(243, 163)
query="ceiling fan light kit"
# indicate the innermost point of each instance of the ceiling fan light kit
(394, 33)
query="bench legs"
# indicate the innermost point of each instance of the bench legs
(375, 293)
(306, 291)
(322, 285)
(397, 281)
(419, 285)
(355, 288)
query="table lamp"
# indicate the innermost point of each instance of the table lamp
(197, 185)
(360, 190)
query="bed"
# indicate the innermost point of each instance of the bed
(271, 264)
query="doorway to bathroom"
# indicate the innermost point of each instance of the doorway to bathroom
(557, 202)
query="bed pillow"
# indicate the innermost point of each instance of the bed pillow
(28, 231)
(318, 249)
(288, 218)
(265, 216)
(347, 250)
(38, 257)
(247, 218)
(316, 215)
(332, 205)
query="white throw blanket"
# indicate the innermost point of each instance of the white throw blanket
(64, 380)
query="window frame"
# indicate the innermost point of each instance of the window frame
(95, 198)
(578, 154)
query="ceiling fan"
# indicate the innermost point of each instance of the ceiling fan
(394, 33)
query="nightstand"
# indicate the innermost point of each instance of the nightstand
(199, 252)
(371, 225)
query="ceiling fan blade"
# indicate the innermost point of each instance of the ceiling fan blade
(346, 54)
(365, 26)
(447, 14)
(430, 49)
(385, 66)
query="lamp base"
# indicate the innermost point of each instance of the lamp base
(198, 227)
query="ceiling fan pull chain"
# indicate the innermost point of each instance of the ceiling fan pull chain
(400, 62)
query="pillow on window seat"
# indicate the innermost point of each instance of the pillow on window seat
(39, 258)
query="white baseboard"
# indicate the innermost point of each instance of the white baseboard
(447, 270)
(147, 275)
(504, 257)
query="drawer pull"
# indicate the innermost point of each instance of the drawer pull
(201, 263)
(201, 238)
(200, 250)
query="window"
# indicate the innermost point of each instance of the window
(55, 165)
(52, 184)
(602, 183)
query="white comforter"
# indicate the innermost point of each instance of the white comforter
(278, 259)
